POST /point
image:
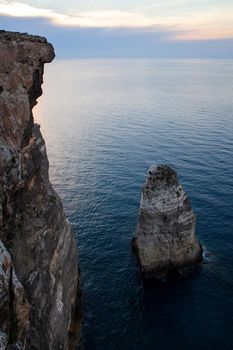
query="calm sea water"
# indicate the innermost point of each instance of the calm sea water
(105, 122)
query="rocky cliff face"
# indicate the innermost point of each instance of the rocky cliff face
(14, 308)
(38, 256)
(165, 239)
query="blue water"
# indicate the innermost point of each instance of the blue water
(105, 122)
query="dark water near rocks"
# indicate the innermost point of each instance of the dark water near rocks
(105, 123)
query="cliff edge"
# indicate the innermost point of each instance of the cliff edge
(39, 278)
(165, 238)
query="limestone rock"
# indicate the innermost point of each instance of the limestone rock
(33, 226)
(14, 308)
(165, 239)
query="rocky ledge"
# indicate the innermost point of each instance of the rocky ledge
(165, 239)
(39, 278)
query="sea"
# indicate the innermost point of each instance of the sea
(105, 122)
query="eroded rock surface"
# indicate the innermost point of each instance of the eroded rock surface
(165, 238)
(39, 242)
(14, 308)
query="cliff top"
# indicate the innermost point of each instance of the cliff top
(16, 36)
(22, 59)
(24, 48)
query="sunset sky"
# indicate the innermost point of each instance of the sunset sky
(127, 28)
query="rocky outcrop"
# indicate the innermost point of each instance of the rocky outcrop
(165, 239)
(39, 245)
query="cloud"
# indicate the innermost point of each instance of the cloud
(15, 9)
(88, 19)
(73, 42)
(215, 23)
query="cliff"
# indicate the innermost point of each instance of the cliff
(165, 238)
(39, 278)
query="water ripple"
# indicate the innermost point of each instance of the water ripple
(105, 124)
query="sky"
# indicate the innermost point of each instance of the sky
(126, 28)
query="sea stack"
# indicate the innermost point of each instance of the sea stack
(39, 276)
(165, 239)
